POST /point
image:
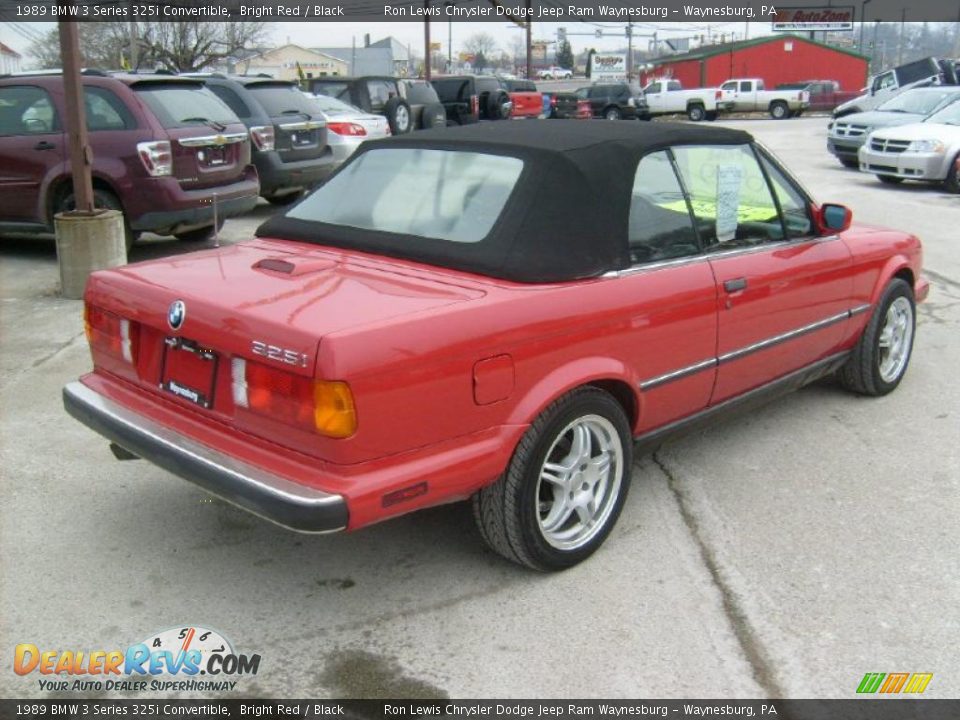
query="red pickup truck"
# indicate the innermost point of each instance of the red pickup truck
(527, 100)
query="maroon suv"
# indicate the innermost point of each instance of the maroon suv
(165, 151)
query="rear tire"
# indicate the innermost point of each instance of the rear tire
(612, 113)
(285, 199)
(433, 116)
(398, 114)
(881, 356)
(199, 235)
(696, 113)
(565, 486)
(101, 199)
(779, 110)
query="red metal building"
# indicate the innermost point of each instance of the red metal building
(774, 58)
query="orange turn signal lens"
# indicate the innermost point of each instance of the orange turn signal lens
(334, 414)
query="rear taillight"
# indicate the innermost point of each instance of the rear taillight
(326, 407)
(474, 105)
(156, 157)
(111, 333)
(553, 101)
(718, 94)
(263, 137)
(347, 128)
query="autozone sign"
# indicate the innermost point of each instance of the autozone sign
(814, 18)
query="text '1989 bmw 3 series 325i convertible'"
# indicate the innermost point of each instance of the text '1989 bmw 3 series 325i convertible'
(498, 313)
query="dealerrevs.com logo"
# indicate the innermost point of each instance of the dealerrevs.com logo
(168, 661)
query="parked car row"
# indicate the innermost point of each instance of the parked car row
(914, 135)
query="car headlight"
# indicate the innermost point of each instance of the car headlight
(926, 146)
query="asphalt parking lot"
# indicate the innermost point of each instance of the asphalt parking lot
(783, 553)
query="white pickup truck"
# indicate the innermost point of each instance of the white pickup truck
(749, 95)
(667, 97)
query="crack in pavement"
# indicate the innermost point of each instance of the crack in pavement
(756, 655)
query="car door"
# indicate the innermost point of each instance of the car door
(655, 100)
(783, 293)
(598, 99)
(670, 295)
(32, 151)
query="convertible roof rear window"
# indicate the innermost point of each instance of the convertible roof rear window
(440, 194)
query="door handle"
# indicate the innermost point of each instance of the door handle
(44, 145)
(734, 285)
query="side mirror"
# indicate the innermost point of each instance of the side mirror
(834, 218)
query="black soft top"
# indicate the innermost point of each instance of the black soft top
(568, 215)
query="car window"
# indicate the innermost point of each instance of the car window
(948, 115)
(26, 110)
(338, 90)
(653, 88)
(582, 93)
(729, 86)
(332, 106)
(660, 227)
(746, 86)
(452, 89)
(184, 105)
(421, 94)
(887, 80)
(793, 206)
(674, 85)
(232, 99)
(729, 194)
(105, 111)
(485, 85)
(283, 99)
(921, 102)
(457, 196)
(599, 91)
(380, 92)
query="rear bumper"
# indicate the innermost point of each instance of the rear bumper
(187, 209)
(277, 176)
(272, 497)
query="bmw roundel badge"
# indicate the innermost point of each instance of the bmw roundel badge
(176, 314)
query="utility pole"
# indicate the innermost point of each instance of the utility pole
(76, 121)
(863, 20)
(426, 41)
(903, 20)
(529, 32)
(134, 44)
(629, 50)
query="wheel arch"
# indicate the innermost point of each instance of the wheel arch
(897, 267)
(607, 374)
(64, 183)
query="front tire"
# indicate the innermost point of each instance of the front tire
(565, 486)
(881, 356)
(952, 183)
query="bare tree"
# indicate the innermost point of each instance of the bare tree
(480, 43)
(175, 46)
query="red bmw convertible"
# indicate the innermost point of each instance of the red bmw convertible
(503, 313)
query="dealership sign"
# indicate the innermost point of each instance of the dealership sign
(813, 18)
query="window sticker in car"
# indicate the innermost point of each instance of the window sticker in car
(729, 178)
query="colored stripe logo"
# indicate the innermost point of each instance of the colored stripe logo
(894, 683)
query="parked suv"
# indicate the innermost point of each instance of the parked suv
(614, 101)
(407, 104)
(288, 134)
(471, 98)
(165, 149)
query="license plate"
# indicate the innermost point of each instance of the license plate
(299, 139)
(215, 155)
(189, 371)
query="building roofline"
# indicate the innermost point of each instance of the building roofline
(708, 51)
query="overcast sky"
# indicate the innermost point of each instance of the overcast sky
(342, 34)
